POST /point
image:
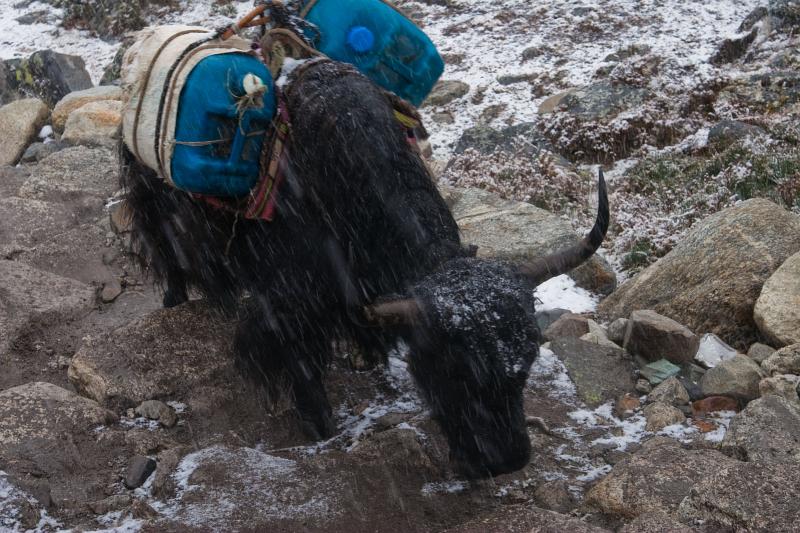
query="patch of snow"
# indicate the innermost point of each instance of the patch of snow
(561, 292)
(10, 499)
(179, 407)
(444, 487)
(46, 132)
(723, 421)
(679, 432)
(549, 373)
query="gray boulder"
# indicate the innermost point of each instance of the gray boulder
(745, 497)
(670, 392)
(766, 431)
(528, 519)
(600, 373)
(655, 337)
(49, 433)
(74, 173)
(94, 123)
(602, 100)
(759, 352)
(568, 325)
(48, 75)
(777, 310)
(20, 121)
(655, 479)
(75, 100)
(182, 353)
(727, 132)
(486, 140)
(738, 378)
(784, 385)
(520, 231)
(711, 280)
(784, 361)
(660, 415)
(31, 298)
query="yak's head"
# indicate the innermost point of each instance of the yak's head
(473, 336)
(470, 355)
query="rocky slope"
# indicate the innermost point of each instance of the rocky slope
(669, 402)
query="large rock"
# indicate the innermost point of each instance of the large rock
(520, 231)
(767, 431)
(745, 497)
(20, 121)
(777, 310)
(711, 280)
(25, 223)
(486, 140)
(600, 373)
(784, 361)
(654, 479)
(75, 100)
(48, 75)
(601, 100)
(526, 518)
(74, 173)
(179, 353)
(95, 123)
(737, 378)
(31, 298)
(48, 433)
(655, 337)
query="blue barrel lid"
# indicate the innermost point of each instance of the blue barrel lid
(360, 39)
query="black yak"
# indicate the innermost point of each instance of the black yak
(363, 248)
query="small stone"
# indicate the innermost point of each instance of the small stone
(714, 404)
(784, 385)
(156, 410)
(555, 496)
(670, 392)
(657, 372)
(655, 337)
(111, 290)
(660, 415)
(139, 470)
(712, 351)
(703, 426)
(110, 504)
(784, 361)
(445, 91)
(616, 331)
(760, 352)
(737, 378)
(121, 217)
(390, 420)
(643, 386)
(568, 326)
(626, 404)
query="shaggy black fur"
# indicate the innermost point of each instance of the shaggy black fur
(358, 218)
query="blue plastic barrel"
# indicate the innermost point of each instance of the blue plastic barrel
(383, 44)
(217, 147)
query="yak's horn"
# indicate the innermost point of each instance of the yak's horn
(565, 260)
(397, 312)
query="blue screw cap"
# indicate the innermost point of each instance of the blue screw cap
(360, 39)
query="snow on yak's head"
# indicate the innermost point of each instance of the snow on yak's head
(472, 331)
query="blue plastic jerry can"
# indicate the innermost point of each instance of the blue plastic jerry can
(382, 43)
(219, 131)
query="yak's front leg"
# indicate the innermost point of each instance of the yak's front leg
(289, 352)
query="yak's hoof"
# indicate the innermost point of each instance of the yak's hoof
(174, 298)
(318, 428)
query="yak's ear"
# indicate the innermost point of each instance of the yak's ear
(405, 312)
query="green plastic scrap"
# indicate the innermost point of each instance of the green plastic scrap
(657, 372)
